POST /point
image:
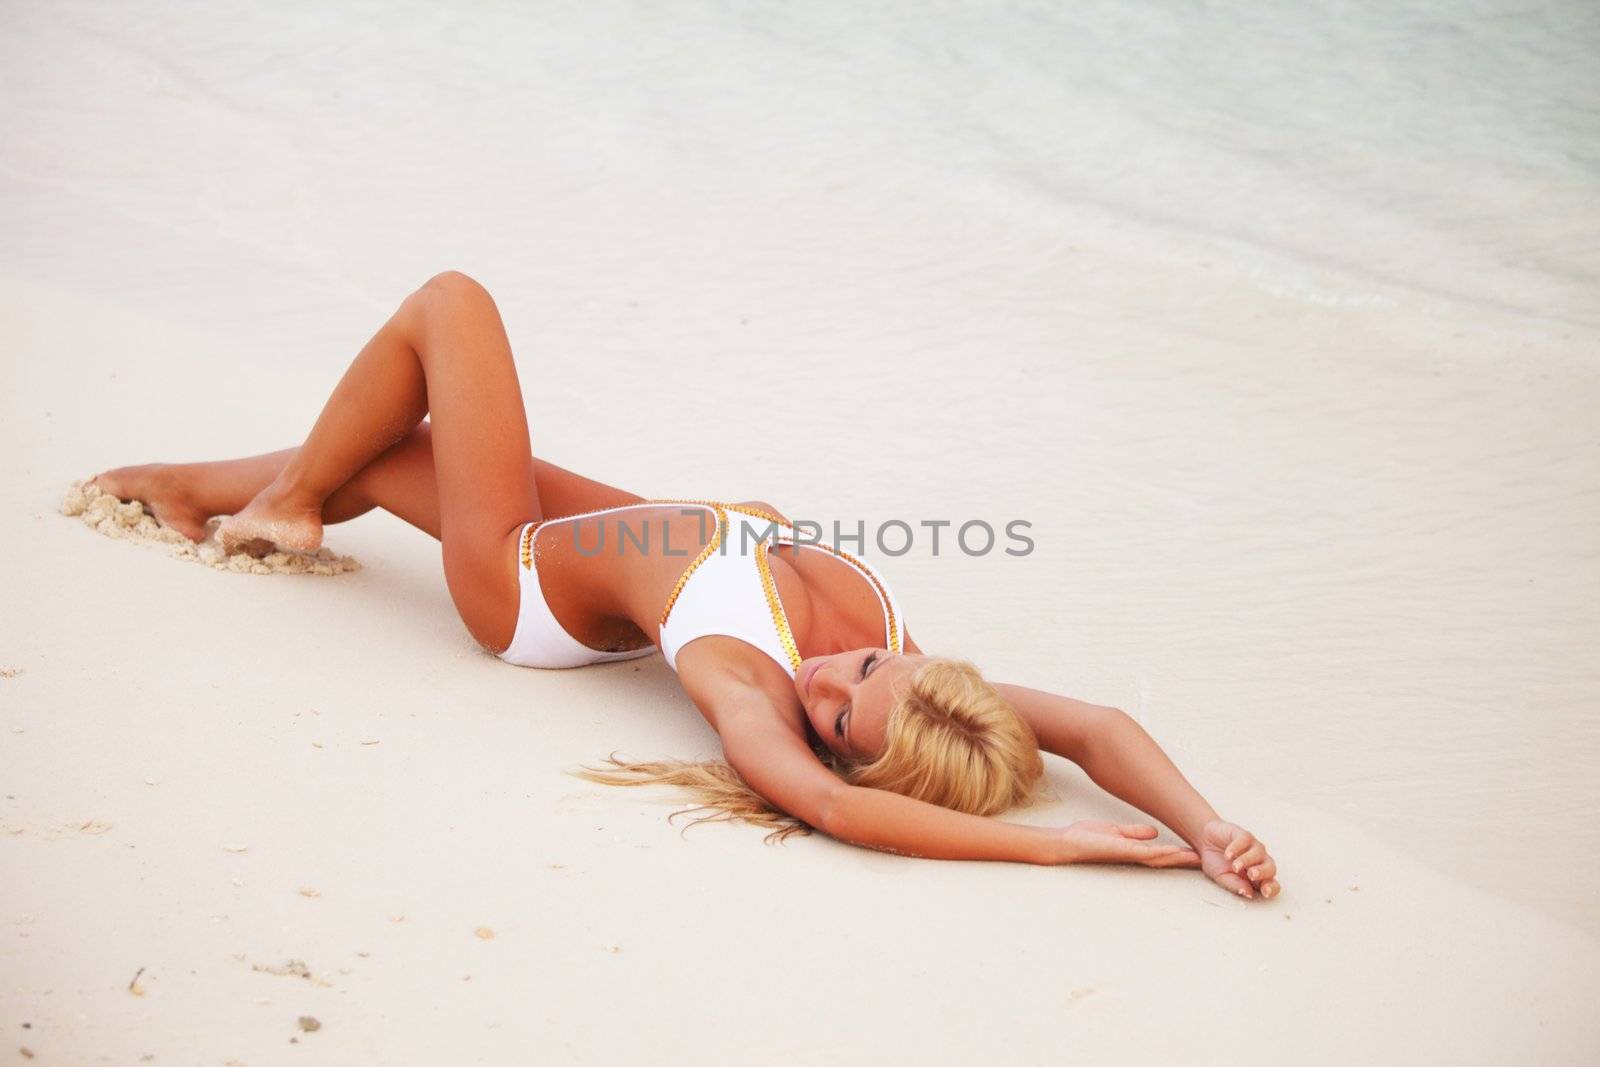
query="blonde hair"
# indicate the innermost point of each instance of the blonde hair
(950, 739)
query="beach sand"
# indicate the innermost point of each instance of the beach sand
(1280, 331)
(132, 521)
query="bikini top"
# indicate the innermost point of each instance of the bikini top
(728, 589)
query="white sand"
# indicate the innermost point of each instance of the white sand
(132, 521)
(1280, 327)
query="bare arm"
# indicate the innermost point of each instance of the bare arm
(1115, 751)
(777, 763)
(875, 818)
(1124, 760)
(775, 760)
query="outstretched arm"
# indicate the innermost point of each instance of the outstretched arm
(1124, 760)
(773, 757)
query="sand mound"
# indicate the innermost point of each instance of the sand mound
(131, 522)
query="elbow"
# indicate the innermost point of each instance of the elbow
(832, 814)
(1106, 727)
(1119, 724)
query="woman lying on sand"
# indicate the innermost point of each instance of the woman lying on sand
(830, 715)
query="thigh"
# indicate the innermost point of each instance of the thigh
(563, 492)
(479, 434)
(402, 482)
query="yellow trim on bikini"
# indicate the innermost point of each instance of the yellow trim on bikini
(769, 587)
(526, 548)
(705, 553)
(780, 618)
(893, 624)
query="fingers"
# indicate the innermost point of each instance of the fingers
(1263, 871)
(1263, 875)
(1165, 855)
(1122, 850)
(1249, 870)
(1260, 869)
(1234, 884)
(1183, 857)
(1248, 857)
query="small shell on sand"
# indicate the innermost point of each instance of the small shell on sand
(103, 512)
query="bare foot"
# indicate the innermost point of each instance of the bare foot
(272, 521)
(158, 487)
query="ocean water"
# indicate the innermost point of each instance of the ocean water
(1279, 324)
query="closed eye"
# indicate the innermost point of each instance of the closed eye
(867, 665)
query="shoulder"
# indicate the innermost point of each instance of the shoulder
(729, 679)
(765, 741)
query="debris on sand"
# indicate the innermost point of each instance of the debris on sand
(292, 969)
(89, 827)
(134, 987)
(106, 514)
(484, 933)
(309, 1024)
(10, 672)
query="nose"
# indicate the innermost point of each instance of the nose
(824, 683)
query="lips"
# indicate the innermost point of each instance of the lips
(806, 676)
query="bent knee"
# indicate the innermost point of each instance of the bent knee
(452, 287)
(446, 297)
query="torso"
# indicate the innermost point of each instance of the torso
(613, 600)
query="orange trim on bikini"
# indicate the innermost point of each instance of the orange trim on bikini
(769, 587)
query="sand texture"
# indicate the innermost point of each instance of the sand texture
(132, 521)
(1280, 325)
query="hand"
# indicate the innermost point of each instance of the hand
(1236, 861)
(1091, 841)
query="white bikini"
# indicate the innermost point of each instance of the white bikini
(726, 590)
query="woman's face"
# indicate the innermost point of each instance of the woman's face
(848, 696)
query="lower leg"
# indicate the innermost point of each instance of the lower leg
(401, 481)
(186, 496)
(381, 398)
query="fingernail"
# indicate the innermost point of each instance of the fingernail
(1255, 873)
(1238, 865)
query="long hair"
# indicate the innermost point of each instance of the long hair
(950, 739)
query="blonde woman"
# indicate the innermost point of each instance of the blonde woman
(829, 714)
